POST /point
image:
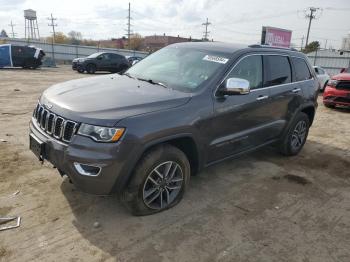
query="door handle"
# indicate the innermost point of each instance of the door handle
(296, 90)
(262, 98)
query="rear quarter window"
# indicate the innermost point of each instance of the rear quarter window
(301, 70)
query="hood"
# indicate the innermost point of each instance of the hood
(105, 100)
(342, 76)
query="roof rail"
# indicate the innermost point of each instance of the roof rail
(268, 46)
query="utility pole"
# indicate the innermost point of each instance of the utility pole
(206, 33)
(52, 19)
(128, 30)
(13, 32)
(302, 43)
(310, 16)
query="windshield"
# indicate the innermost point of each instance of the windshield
(183, 69)
(94, 55)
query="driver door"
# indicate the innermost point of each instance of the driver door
(242, 121)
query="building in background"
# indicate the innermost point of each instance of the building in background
(346, 43)
(155, 42)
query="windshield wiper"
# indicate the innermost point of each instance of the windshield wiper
(128, 75)
(152, 82)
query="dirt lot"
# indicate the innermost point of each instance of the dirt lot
(248, 209)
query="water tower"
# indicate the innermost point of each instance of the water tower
(31, 25)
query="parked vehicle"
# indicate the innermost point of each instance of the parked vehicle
(185, 107)
(20, 56)
(322, 77)
(337, 92)
(75, 62)
(101, 62)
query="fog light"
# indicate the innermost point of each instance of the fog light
(87, 170)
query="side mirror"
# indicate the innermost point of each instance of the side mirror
(235, 86)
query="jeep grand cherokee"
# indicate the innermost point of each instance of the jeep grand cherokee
(189, 105)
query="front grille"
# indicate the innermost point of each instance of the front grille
(343, 85)
(342, 99)
(54, 125)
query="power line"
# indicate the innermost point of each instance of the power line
(310, 16)
(12, 26)
(206, 33)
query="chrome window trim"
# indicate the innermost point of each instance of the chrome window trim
(267, 87)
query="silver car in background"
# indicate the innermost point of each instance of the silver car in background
(322, 77)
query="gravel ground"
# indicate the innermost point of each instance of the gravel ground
(260, 207)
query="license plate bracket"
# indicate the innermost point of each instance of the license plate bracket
(37, 147)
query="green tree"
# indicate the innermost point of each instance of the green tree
(311, 47)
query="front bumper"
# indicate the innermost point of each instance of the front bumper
(112, 158)
(333, 96)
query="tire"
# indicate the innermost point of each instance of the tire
(147, 193)
(91, 68)
(296, 135)
(329, 105)
(80, 70)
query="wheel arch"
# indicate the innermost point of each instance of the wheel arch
(310, 112)
(185, 142)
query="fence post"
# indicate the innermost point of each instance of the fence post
(315, 56)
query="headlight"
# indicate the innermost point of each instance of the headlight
(332, 83)
(101, 133)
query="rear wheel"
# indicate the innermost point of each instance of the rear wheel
(159, 181)
(295, 138)
(91, 68)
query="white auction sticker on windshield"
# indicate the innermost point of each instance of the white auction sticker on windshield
(216, 59)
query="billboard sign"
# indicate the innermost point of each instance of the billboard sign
(277, 37)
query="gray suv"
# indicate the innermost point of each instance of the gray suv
(189, 105)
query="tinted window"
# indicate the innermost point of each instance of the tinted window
(277, 70)
(250, 68)
(302, 71)
(115, 56)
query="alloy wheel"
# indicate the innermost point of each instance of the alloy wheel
(162, 185)
(298, 135)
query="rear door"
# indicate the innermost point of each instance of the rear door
(304, 78)
(286, 93)
(241, 122)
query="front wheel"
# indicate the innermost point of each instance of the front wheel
(295, 137)
(91, 68)
(159, 181)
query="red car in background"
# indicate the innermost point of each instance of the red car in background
(337, 91)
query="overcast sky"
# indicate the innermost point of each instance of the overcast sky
(237, 21)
